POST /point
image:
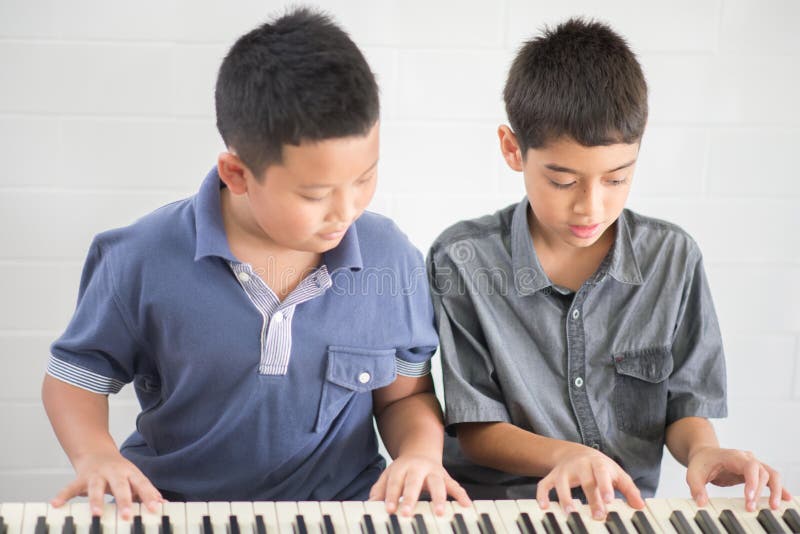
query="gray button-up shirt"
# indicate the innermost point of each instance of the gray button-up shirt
(636, 348)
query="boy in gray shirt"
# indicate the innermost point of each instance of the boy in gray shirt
(577, 337)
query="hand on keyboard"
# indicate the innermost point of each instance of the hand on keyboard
(727, 467)
(408, 475)
(596, 474)
(109, 473)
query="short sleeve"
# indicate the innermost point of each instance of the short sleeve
(470, 391)
(697, 385)
(414, 359)
(97, 350)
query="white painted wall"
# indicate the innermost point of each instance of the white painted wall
(106, 112)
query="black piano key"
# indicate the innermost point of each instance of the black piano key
(459, 524)
(299, 526)
(208, 528)
(680, 522)
(641, 523)
(731, 522)
(551, 525)
(419, 524)
(614, 523)
(525, 524)
(69, 525)
(96, 527)
(394, 524)
(137, 527)
(485, 524)
(165, 527)
(769, 522)
(261, 528)
(367, 526)
(327, 525)
(705, 522)
(790, 517)
(575, 523)
(41, 525)
(233, 525)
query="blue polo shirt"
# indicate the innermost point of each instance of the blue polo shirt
(245, 397)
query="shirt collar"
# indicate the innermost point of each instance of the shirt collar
(211, 237)
(624, 266)
(212, 240)
(529, 277)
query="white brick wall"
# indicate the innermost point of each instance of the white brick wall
(106, 112)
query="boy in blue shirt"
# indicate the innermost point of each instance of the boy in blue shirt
(577, 337)
(249, 317)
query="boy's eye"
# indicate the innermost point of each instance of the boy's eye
(618, 182)
(313, 199)
(561, 186)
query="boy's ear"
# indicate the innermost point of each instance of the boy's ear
(233, 172)
(510, 148)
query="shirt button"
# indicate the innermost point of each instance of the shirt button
(575, 314)
(364, 377)
(243, 276)
(596, 446)
(579, 382)
(278, 317)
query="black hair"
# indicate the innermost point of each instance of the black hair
(297, 78)
(580, 80)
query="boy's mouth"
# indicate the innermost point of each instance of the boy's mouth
(584, 231)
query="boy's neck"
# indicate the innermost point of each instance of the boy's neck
(281, 268)
(565, 265)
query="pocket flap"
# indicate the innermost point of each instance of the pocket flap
(361, 369)
(651, 364)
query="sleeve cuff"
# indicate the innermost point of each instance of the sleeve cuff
(415, 370)
(82, 378)
(708, 410)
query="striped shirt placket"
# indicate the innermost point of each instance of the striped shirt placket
(276, 330)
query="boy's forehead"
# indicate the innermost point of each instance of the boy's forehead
(570, 155)
(312, 162)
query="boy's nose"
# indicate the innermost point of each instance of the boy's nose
(589, 200)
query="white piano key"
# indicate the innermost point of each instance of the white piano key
(353, 513)
(286, 512)
(660, 511)
(151, 519)
(123, 525)
(31, 513)
(220, 513)
(509, 513)
(737, 506)
(243, 510)
(380, 518)
(425, 509)
(594, 526)
(488, 507)
(334, 510)
(176, 511)
(82, 516)
(444, 522)
(470, 517)
(194, 517)
(55, 518)
(311, 515)
(266, 510)
(12, 516)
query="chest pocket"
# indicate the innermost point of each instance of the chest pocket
(351, 371)
(640, 391)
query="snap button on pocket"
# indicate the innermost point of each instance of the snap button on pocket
(364, 377)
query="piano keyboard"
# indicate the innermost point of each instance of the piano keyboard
(667, 516)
